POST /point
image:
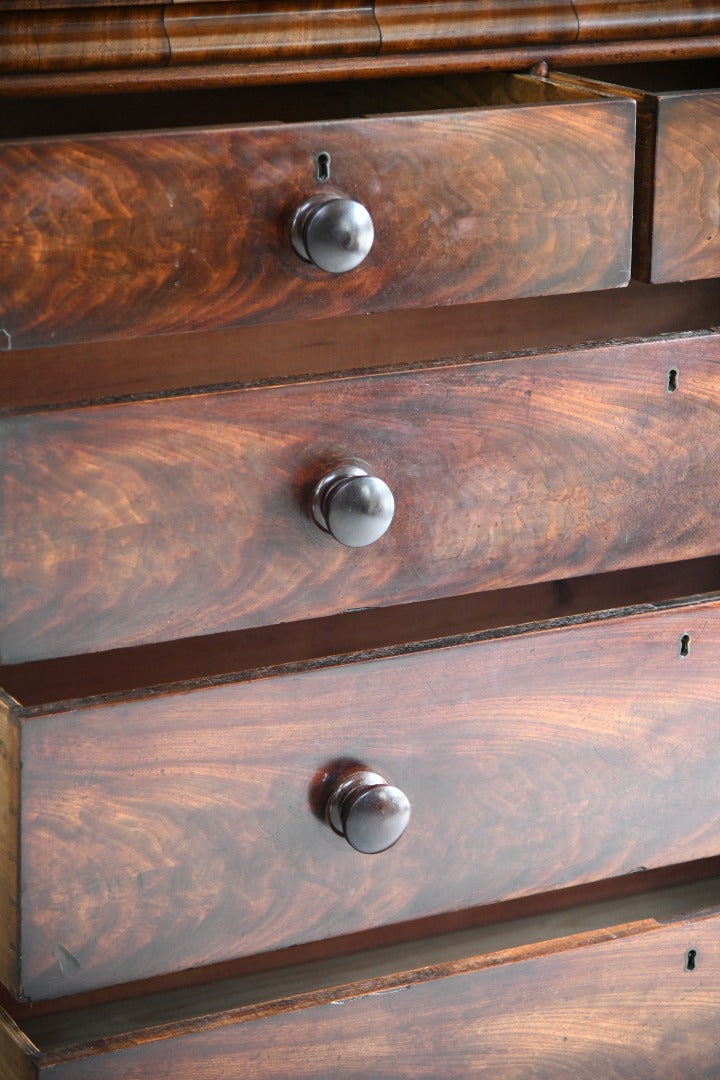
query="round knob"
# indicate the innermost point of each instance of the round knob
(334, 234)
(353, 505)
(371, 814)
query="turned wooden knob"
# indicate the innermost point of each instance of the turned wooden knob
(371, 814)
(353, 505)
(333, 233)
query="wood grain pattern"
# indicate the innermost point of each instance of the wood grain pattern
(268, 72)
(203, 31)
(316, 30)
(483, 205)
(19, 50)
(9, 844)
(500, 1014)
(178, 830)
(677, 182)
(59, 1025)
(603, 20)
(463, 24)
(39, 684)
(17, 1053)
(63, 374)
(150, 521)
(100, 38)
(686, 202)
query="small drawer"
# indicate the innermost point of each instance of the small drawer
(171, 518)
(172, 829)
(478, 189)
(677, 198)
(631, 986)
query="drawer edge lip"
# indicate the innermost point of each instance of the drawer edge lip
(26, 714)
(707, 335)
(346, 992)
(10, 871)
(232, 72)
(605, 101)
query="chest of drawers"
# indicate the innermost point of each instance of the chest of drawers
(360, 637)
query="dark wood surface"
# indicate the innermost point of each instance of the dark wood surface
(171, 518)
(431, 25)
(685, 218)
(268, 72)
(519, 1003)
(105, 37)
(201, 32)
(658, 894)
(37, 685)
(63, 374)
(140, 39)
(677, 229)
(179, 830)
(9, 839)
(188, 230)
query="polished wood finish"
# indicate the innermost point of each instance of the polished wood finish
(682, 208)
(463, 24)
(677, 225)
(63, 374)
(481, 205)
(658, 894)
(350, 35)
(463, 996)
(172, 793)
(605, 20)
(377, 630)
(189, 819)
(170, 518)
(270, 72)
(9, 842)
(202, 31)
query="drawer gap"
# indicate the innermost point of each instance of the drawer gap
(374, 970)
(277, 104)
(358, 635)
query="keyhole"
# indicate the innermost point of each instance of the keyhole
(322, 166)
(672, 383)
(690, 959)
(685, 645)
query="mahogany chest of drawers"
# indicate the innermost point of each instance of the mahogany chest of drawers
(359, 571)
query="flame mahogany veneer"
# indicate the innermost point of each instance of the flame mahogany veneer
(171, 902)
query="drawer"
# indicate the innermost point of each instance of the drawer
(634, 984)
(176, 517)
(157, 831)
(677, 198)
(478, 189)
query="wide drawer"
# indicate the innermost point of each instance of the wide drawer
(172, 518)
(146, 232)
(631, 987)
(677, 196)
(159, 831)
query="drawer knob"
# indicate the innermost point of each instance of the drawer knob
(334, 234)
(353, 505)
(370, 813)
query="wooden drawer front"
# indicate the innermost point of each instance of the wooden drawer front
(166, 519)
(621, 996)
(121, 235)
(177, 830)
(677, 197)
(682, 204)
